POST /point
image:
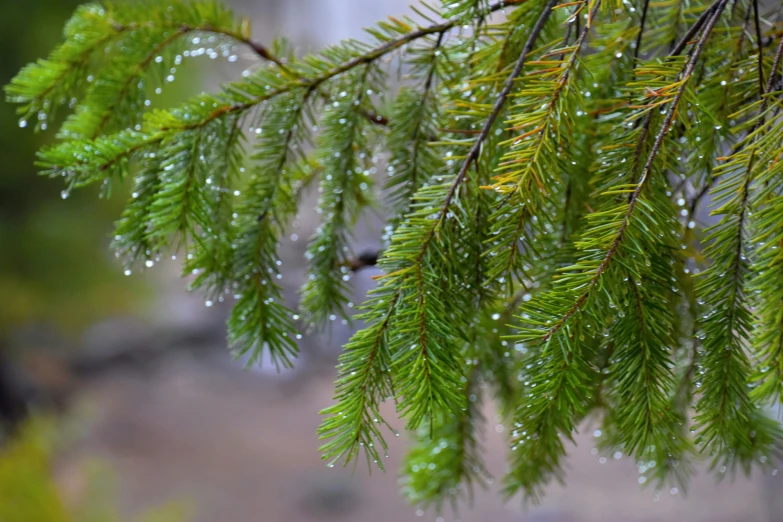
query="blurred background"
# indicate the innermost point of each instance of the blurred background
(120, 402)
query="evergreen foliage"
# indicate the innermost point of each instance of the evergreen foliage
(547, 165)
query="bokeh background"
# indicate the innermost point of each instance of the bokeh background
(132, 409)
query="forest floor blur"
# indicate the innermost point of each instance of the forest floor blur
(241, 446)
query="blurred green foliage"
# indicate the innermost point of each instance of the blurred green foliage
(28, 493)
(54, 266)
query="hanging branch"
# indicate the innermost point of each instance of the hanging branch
(405, 283)
(535, 160)
(634, 196)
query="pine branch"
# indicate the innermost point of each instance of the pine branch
(424, 360)
(412, 161)
(766, 336)
(443, 465)
(545, 164)
(260, 319)
(725, 409)
(529, 164)
(344, 194)
(563, 320)
(634, 197)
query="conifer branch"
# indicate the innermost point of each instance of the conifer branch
(444, 464)
(538, 169)
(634, 197)
(366, 58)
(500, 101)
(407, 283)
(526, 163)
(766, 335)
(725, 413)
(412, 161)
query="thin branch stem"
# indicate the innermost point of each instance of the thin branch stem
(693, 30)
(759, 47)
(637, 49)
